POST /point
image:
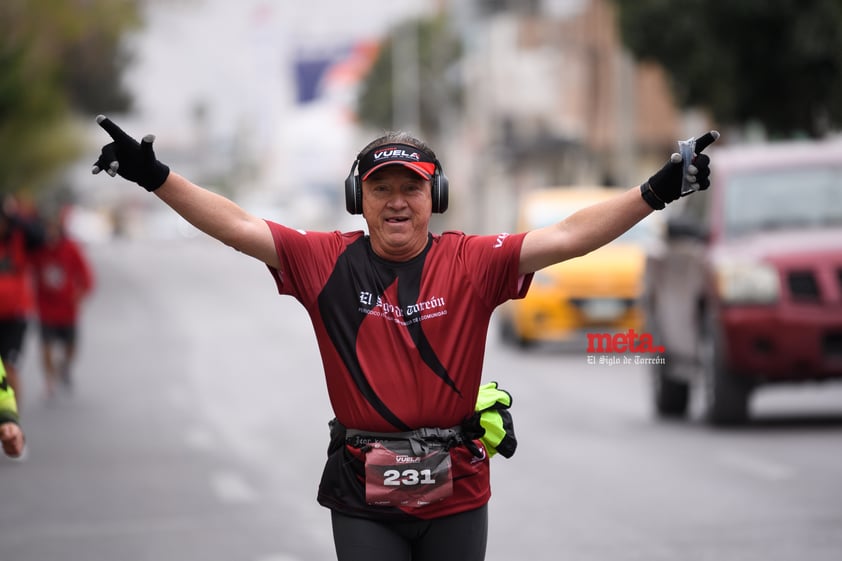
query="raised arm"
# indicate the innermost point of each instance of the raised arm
(596, 225)
(220, 218)
(582, 231)
(210, 212)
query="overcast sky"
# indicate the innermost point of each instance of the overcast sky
(235, 60)
(235, 57)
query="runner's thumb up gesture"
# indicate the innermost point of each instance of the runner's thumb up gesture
(128, 158)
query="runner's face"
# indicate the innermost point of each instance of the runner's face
(397, 207)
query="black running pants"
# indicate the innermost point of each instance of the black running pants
(459, 537)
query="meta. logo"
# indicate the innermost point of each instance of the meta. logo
(396, 153)
(629, 342)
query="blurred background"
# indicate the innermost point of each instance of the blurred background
(269, 102)
(196, 425)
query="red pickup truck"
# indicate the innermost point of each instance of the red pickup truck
(746, 287)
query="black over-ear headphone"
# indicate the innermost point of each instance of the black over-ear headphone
(439, 186)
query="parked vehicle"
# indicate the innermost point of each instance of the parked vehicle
(746, 288)
(598, 291)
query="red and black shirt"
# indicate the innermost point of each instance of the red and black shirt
(402, 343)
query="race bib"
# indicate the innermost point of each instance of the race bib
(394, 476)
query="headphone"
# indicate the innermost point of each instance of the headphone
(439, 186)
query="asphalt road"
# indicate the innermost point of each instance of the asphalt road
(198, 424)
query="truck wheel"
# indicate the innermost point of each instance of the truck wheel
(726, 396)
(671, 396)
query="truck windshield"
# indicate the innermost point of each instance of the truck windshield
(808, 197)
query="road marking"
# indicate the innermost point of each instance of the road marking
(755, 466)
(229, 487)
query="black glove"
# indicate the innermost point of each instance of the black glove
(665, 186)
(133, 161)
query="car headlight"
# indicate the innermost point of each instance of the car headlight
(747, 283)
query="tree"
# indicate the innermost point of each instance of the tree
(773, 62)
(58, 59)
(437, 51)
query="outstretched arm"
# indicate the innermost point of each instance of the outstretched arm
(210, 212)
(582, 231)
(220, 218)
(596, 225)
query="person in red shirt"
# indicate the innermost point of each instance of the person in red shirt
(20, 237)
(401, 317)
(62, 279)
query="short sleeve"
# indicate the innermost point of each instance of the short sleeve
(307, 259)
(493, 262)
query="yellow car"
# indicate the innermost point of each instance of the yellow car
(596, 293)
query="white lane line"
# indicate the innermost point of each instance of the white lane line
(229, 487)
(755, 466)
